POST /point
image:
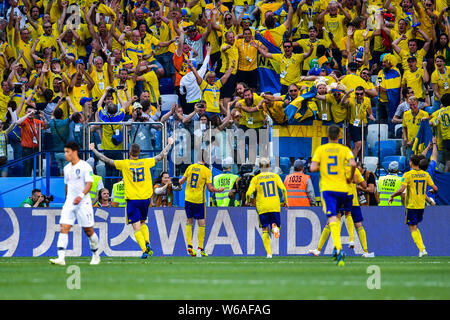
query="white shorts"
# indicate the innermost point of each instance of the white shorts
(83, 213)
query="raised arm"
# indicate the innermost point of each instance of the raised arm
(101, 156)
(165, 151)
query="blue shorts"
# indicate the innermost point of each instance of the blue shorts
(348, 205)
(357, 214)
(195, 210)
(137, 210)
(266, 219)
(332, 201)
(414, 216)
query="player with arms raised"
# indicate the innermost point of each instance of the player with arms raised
(331, 160)
(415, 182)
(198, 177)
(138, 187)
(266, 185)
(78, 178)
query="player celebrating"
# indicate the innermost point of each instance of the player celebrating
(78, 178)
(198, 176)
(331, 160)
(415, 182)
(266, 185)
(138, 187)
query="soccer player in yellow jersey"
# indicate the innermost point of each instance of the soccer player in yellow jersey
(266, 185)
(138, 186)
(353, 216)
(331, 160)
(415, 182)
(198, 177)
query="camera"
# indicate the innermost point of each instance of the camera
(48, 199)
(120, 87)
(245, 174)
(176, 186)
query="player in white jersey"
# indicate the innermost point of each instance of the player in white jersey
(78, 178)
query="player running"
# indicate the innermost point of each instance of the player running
(266, 185)
(138, 187)
(415, 182)
(198, 176)
(331, 160)
(78, 178)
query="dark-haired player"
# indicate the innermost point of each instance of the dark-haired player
(415, 182)
(78, 178)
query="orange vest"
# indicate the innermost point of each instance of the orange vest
(296, 189)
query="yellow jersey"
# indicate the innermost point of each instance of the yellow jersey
(137, 178)
(332, 159)
(442, 81)
(416, 182)
(211, 95)
(266, 185)
(227, 58)
(412, 123)
(405, 55)
(352, 186)
(358, 111)
(198, 176)
(414, 79)
(289, 67)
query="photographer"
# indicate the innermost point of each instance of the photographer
(241, 185)
(163, 190)
(112, 135)
(142, 133)
(37, 200)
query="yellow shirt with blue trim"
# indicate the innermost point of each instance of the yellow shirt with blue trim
(211, 95)
(332, 159)
(358, 111)
(442, 80)
(416, 182)
(267, 186)
(132, 51)
(412, 122)
(289, 67)
(228, 56)
(137, 177)
(198, 176)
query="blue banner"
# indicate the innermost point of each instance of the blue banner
(229, 231)
(269, 79)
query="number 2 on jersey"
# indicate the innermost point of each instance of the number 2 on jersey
(332, 164)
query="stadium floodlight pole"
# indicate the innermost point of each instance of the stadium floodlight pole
(379, 127)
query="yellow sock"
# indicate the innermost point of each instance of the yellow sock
(350, 227)
(266, 241)
(189, 234)
(417, 237)
(336, 235)
(140, 240)
(362, 238)
(201, 236)
(339, 220)
(323, 237)
(145, 233)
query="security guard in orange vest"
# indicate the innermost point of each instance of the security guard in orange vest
(299, 187)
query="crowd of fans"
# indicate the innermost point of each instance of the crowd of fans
(66, 64)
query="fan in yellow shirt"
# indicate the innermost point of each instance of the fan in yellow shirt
(266, 185)
(415, 183)
(198, 178)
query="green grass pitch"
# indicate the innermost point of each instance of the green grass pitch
(226, 278)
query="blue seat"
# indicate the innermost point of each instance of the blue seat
(385, 144)
(430, 110)
(166, 86)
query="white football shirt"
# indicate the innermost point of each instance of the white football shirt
(75, 177)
